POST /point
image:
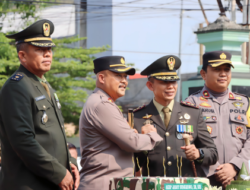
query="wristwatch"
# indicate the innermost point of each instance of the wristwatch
(200, 159)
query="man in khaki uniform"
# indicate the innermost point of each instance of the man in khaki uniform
(107, 141)
(225, 115)
(172, 119)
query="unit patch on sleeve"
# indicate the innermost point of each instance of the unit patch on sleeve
(17, 77)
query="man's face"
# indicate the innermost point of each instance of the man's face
(217, 78)
(37, 59)
(164, 91)
(115, 84)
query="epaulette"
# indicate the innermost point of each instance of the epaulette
(17, 77)
(239, 98)
(189, 104)
(139, 108)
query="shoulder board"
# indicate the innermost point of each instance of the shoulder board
(139, 108)
(189, 104)
(238, 97)
(17, 77)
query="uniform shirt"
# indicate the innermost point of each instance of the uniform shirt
(226, 123)
(159, 108)
(107, 142)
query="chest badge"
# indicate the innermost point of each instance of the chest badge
(148, 121)
(186, 116)
(239, 129)
(205, 104)
(206, 118)
(44, 118)
(238, 104)
(214, 118)
(57, 101)
(184, 129)
(239, 118)
(209, 129)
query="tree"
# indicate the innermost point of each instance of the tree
(72, 68)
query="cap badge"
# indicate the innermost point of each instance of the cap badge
(46, 29)
(239, 130)
(122, 61)
(238, 104)
(209, 129)
(205, 104)
(171, 63)
(223, 56)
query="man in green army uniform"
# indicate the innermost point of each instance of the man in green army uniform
(34, 148)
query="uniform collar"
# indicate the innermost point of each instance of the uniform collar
(159, 106)
(43, 79)
(101, 92)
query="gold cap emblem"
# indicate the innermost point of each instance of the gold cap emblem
(122, 61)
(46, 29)
(223, 56)
(171, 63)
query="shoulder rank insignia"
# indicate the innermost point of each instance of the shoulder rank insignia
(206, 94)
(231, 96)
(203, 99)
(110, 99)
(139, 108)
(17, 77)
(189, 104)
(205, 104)
(147, 116)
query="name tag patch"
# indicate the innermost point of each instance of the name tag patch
(40, 98)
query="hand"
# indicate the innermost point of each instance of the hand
(67, 183)
(76, 174)
(135, 131)
(148, 129)
(192, 153)
(225, 173)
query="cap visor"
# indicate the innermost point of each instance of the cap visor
(167, 78)
(221, 63)
(127, 70)
(42, 44)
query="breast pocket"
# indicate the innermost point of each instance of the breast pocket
(211, 121)
(238, 126)
(44, 112)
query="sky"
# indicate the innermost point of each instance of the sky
(145, 30)
(142, 30)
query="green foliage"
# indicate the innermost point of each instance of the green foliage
(72, 68)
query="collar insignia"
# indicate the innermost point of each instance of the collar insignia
(110, 99)
(206, 94)
(239, 118)
(205, 104)
(238, 104)
(203, 99)
(209, 129)
(239, 129)
(231, 96)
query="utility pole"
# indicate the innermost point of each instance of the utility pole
(233, 12)
(178, 97)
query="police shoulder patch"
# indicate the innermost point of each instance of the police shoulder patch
(189, 104)
(17, 77)
(139, 108)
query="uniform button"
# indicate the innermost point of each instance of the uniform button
(167, 134)
(169, 163)
(168, 148)
(44, 106)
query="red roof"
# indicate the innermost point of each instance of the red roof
(136, 76)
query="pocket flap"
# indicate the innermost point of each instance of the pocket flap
(43, 105)
(238, 118)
